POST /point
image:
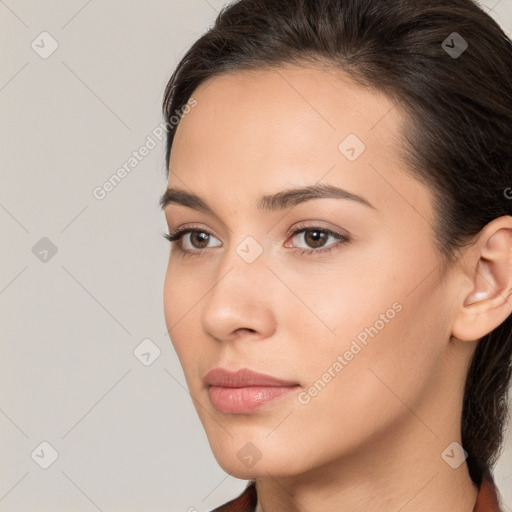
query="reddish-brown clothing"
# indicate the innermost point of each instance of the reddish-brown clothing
(487, 499)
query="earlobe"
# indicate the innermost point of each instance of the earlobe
(489, 266)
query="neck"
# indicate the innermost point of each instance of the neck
(400, 468)
(407, 474)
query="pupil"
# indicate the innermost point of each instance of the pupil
(203, 239)
(317, 236)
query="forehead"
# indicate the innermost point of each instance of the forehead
(261, 130)
(288, 110)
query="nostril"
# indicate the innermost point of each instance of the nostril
(245, 329)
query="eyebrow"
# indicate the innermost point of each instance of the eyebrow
(270, 203)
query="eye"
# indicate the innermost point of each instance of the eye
(197, 241)
(191, 241)
(315, 238)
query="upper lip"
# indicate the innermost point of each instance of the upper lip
(242, 378)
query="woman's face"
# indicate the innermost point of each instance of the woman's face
(358, 326)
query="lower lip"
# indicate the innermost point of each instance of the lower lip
(248, 399)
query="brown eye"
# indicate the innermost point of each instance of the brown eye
(199, 239)
(315, 238)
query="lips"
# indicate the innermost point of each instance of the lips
(243, 378)
(244, 391)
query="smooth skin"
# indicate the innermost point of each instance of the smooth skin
(373, 437)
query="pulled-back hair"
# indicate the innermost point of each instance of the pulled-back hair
(457, 129)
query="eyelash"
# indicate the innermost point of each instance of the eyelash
(177, 235)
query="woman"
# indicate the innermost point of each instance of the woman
(339, 283)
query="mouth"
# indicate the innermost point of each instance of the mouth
(244, 391)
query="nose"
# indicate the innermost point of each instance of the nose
(239, 302)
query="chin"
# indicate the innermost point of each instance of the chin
(238, 470)
(252, 457)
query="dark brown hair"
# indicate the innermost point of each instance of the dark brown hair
(457, 131)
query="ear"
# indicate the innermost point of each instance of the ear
(488, 266)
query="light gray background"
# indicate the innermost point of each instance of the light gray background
(126, 434)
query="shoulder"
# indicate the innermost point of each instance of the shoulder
(246, 502)
(489, 498)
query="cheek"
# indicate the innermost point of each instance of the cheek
(181, 294)
(335, 300)
(184, 287)
(384, 326)
(350, 400)
(366, 340)
(171, 287)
